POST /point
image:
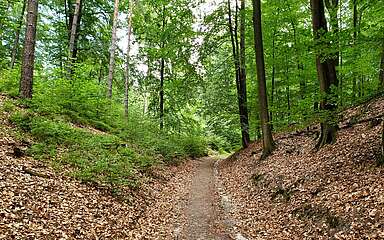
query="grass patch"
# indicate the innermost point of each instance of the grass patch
(93, 158)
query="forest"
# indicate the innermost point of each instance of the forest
(186, 102)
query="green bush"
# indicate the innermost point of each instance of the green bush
(194, 146)
(9, 81)
(22, 120)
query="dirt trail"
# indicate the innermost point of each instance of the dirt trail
(202, 211)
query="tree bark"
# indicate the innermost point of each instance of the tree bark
(332, 6)
(240, 67)
(354, 45)
(273, 76)
(243, 80)
(127, 70)
(162, 66)
(15, 48)
(381, 70)
(74, 31)
(162, 72)
(111, 68)
(27, 68)
(234, 47)
(326, 74)
(341, 77)
(268, 143)
(287, 88)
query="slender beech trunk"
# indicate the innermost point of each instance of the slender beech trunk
(234, 47)
(341, 77)
(147, 78)
(26, 80)
(162, 66)
(381, 71)
(268, 143)
(74, 29)
(240, 67)
(162, 72)
(287, 87)
(100, 72)
(273, 76)
(127, 72)
(243, 80)
(332, 6)
(354, 45)
(111, 68)
(326, 73)
(15, 48)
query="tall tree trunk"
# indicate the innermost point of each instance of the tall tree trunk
(74, 31)
(15, 48)
(70, 11)
(127, 72)
(27, 68)
(243, 81)
(341, 77)
(100, 72)
(354, 45)
(273, 76)
(268, 143)
(240, 67)
(332, 6)
(162, 66)
(287, 88)
(162, 72)
(234, 46)
(326, 73)
(381, 71)
(111, 68)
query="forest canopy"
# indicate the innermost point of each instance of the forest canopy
(217, 74)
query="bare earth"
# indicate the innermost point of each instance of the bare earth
(202, 211)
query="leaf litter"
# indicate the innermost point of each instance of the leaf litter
(298, 193)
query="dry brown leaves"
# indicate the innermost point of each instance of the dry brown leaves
(297, 193)
(37, 203)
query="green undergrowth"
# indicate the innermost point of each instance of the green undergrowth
(73, 125)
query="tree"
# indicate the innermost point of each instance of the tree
(381, 70)
(354, 44)
(326, 74)
(240, 67)
(113, 48)
(162, 70)
(332, 6)
(127, 73)
(27, 68)
(243, 80)
(268, 143)
(74, 31)
(15, 48)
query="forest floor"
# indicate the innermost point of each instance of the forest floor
(39, 202)
(296, 193)
(299, 193)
